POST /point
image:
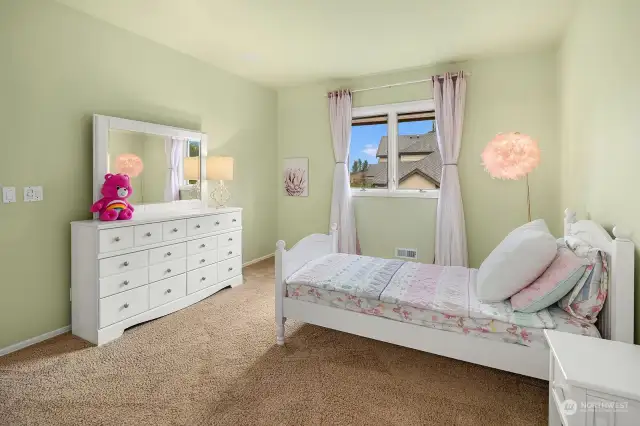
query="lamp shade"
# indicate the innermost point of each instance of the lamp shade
(511, 156)
(219, 168)
(192, 168)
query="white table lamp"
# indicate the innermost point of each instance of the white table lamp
(220, 169)
(192, 172)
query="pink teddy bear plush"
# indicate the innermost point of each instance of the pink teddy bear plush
(114, 206)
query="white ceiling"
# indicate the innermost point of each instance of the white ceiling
(282, 42)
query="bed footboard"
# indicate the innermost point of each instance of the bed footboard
(289, 261)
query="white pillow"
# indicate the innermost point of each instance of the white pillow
(517, 261)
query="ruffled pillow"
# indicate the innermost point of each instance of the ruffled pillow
(554, 283)
(587, 298)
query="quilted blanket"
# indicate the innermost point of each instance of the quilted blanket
(450, 290)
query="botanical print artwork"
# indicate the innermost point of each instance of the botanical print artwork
(296, 177)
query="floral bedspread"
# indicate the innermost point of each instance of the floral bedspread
(483, 328)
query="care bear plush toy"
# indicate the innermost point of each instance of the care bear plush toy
(114, 206)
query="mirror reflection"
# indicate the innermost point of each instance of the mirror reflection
(161, 168)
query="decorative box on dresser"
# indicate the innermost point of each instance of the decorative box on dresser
(127, 272)
(594, 382)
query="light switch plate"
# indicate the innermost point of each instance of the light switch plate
(33, 193)
(9, 194)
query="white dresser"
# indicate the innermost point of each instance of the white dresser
(592, 381)
(127, 272)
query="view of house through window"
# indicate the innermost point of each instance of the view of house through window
(368, 166)
(418, 165)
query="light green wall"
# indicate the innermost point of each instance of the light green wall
(506, 93)
(154, 176)
(59, 67)
(600, 105)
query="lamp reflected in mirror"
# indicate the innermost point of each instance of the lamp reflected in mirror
(192, 175)
(220, 169)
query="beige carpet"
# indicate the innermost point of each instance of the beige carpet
(216, 363)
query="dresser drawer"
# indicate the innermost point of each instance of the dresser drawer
(202, 245)
(234, 219)
(229, 239)
(202, 259)
(116, 239)
(168, 290)
(174, 230)
(123, 305)
(167, 269)
(229, 268)
(125, 263)
(123, 282)
(228, 252)
(200, 225)
(167, 253)
(148, 234)
(201, 278)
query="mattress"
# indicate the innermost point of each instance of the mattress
(484, 328)
(439, 297)
(449, 290)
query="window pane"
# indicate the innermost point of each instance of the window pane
(368, 152)
(419, 162)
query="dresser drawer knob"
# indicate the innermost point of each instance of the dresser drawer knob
(126, 263)
(203, 245)
(202, 260)
(197, 226)
(230, 269)
(230, 253)
(126, 305)
(168, 253)
(168, 271)
(233, 220)
(174, 230)
(168, 290)
(230, 239)
(203, 279)
(116, 239)
(148, 234)
(126, 282)
(217, 223)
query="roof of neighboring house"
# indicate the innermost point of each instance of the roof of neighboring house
(429, 167)
(410, 144)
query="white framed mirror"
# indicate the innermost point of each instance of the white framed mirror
(166, 165)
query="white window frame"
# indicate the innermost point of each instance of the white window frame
(392, 111)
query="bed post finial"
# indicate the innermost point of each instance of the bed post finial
(280, 245)
(621, 233)
(334, 237)
(569, 218)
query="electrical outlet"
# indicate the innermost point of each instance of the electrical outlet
(33, 193)
(9, 194)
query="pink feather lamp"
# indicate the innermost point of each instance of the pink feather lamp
(512, 156)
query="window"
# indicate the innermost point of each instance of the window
(394, 151)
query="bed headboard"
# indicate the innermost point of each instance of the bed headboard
(616, 321)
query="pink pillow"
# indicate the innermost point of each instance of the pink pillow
(554, 283)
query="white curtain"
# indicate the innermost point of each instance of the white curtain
(451, 239)
(174, 150)
(341, 206)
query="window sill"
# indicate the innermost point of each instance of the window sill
(429, 193)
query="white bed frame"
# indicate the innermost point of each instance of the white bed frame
(615, 322)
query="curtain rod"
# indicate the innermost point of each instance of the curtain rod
(404, 83)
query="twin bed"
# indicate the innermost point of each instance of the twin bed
(435, 309)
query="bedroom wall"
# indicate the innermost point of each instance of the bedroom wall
(59, 67)
(599, 111)
(506, 93)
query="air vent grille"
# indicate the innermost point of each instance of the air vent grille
(407, 253)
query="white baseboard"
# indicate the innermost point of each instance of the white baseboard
(260, 259)
(34, 340)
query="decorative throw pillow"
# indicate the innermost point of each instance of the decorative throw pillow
(554, 283)
(516, 262)
(587, 298)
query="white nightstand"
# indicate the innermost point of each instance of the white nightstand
(593, 381)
